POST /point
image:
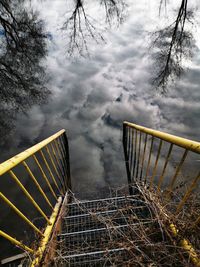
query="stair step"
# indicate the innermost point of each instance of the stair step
(103, 199)
(102, 205)
(98, 239)
(106, 212)
(102, 219)
(103, 229)
(94, 233)
(97, 258)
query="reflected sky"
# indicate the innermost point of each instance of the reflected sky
(92, 96)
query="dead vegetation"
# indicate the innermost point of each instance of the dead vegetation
(136, 234)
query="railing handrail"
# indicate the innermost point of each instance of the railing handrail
(14, 161)
(179, 141)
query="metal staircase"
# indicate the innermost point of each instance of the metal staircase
(94, 232)
(160, 210)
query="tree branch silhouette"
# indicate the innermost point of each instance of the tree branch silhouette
(80, 27)
(23, 46)
(173, 43)
(114, 9)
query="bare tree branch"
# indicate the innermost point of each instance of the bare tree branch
(22, 46)
(114, 9)
(173, 44)
(80, 27)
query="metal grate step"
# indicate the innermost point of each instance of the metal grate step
(93, 227)
(97, 220)
(102, 232)
(114, 257)
(102, 205)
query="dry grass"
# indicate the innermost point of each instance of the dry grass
(145, 241)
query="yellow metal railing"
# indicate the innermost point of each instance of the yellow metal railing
(162, 162)
(48, 159)
(169, 166)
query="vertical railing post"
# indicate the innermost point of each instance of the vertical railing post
(126, 156)
(67, 161)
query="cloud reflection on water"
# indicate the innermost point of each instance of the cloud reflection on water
(92, 97)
